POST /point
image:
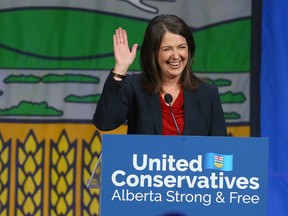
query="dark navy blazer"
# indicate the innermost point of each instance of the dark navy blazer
(127, 100)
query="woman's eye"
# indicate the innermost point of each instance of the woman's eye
(166, 49)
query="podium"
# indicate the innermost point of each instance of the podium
(158, 175)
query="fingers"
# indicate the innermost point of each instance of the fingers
(134, 49)
(120, 37)
(125, 38)
(122, 53)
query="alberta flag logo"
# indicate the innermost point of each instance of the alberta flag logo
(218, 162)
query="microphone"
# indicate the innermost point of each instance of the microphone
(168, 99)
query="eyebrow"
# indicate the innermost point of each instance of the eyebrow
(183, 44)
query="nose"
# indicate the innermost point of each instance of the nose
(175, 54)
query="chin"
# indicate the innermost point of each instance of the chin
(176, 72)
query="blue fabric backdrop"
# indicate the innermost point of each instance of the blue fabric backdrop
(274, 100)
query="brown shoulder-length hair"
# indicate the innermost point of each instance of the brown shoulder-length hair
(151, 72)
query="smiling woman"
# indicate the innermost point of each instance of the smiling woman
(166, 58)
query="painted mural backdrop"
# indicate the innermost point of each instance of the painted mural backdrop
(54, 58)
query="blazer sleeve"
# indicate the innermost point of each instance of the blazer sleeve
(113, 105)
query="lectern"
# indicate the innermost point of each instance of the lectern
(182, 175)
(95, 179)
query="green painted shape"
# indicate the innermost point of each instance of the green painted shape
(82, 99)
(230, 97)
(69, 78)
(52, 78)
(63, 33)
(22, 79)
(224, 48)
(26, 108)
(67, 33)
(219, 82)
(232, 116)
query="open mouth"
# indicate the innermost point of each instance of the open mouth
(174, 64)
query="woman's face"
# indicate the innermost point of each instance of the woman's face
(173, 55)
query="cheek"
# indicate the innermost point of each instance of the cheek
(185, 54)
(165, 54)
(163, 58)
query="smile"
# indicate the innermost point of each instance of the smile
(174, 64)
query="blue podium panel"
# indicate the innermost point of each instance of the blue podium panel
(183, 176)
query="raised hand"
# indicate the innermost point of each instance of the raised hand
(124, 57)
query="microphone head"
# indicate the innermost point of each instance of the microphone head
(168, 98)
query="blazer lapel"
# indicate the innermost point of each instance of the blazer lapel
(153, 104)
(190, 105)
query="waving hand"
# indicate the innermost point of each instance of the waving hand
(124, 57)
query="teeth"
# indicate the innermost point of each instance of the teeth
(176, 64)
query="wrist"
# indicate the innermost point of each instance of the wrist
(117, 76)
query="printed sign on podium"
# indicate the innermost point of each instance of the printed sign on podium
(183, 176)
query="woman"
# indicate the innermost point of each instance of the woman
(166, 58)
